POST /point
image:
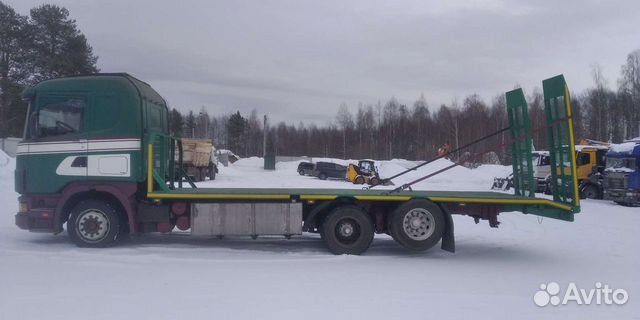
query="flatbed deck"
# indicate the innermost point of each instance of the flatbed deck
(304, 194)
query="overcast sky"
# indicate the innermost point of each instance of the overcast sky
(299, 60)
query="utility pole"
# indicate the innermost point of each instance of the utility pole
(264, 137)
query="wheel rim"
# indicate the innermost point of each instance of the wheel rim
(92, 225)
(418, 224)
(347, 231)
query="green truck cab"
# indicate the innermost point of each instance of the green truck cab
(84, 135)
(98, 158)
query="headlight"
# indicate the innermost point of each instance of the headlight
(24, 207)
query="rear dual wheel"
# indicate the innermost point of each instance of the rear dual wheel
(417, 225)
(347, 230)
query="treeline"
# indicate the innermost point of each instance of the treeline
(43, 45)
(394, 130)
(380, 131)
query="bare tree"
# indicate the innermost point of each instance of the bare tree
(345, 121)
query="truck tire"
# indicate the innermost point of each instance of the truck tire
(417, 225)
(198, 175)
(374, 181)
(94, 223)
(358, 180)
(347, 230)
(212, 172)
(590, 191)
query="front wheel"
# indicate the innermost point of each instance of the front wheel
(94, 224)
(347, 230)
(591, 192)
(417, 225)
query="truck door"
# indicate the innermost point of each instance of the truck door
(56, 142)
(112, 148)
(586, 161)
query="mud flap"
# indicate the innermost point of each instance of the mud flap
(448, 239)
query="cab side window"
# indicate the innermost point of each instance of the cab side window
(584, 158)
(59, 118)
(155, 119)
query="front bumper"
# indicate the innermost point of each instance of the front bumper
(625, 196)
(541, 185)
(36, 220)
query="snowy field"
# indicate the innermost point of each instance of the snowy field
(493, 275)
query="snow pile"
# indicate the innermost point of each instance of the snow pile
(252, 162)
(7, 166)
(626, 147)
(389, 168)
(334, 160)
(457, 178)
(406, 163)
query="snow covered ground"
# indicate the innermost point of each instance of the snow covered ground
(249, 172)
(493, 275)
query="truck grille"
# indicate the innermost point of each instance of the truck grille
(615, 183)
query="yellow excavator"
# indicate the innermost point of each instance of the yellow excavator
(364, 172)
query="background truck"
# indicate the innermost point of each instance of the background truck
(541, 169)
(590, 160)
(541, 161)
(622, 174)
(198, 159)
(97, 157)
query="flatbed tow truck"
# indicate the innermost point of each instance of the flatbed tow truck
(97, 156)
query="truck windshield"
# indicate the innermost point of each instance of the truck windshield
(58, 118)
(535, 158)
(626, 164)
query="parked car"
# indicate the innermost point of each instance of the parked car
(324, 170)
(305, 168)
